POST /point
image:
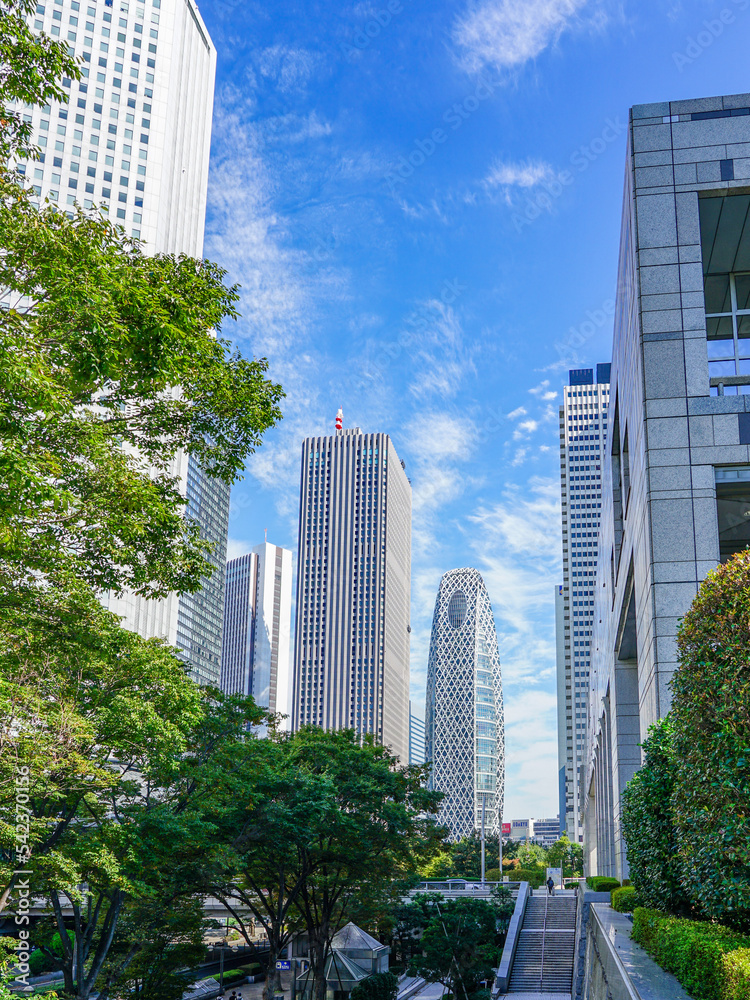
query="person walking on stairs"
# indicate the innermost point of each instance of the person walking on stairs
(550, 886)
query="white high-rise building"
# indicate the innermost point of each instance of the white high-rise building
(583, 430)
(135, 135)
(416, 737)
(256, 650)
(464, 720)
(353, 588)
(134, 139)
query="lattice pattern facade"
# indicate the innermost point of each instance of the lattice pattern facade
(465, 732)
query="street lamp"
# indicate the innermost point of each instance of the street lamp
(222, 948)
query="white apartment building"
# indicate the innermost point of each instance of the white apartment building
(256, 649)
(583, 429)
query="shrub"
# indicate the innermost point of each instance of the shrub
(380, 986)
(493, 875)
(648, 825)
(711, 695)
(737, 974)
(624, 900)
(232, 975)
(602, 883)
(697, 953)
(534, 876)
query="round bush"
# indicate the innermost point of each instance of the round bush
(711, 716)
(493, 875)
(624, 900)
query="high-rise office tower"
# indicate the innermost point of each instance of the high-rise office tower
(256, 651)
(416, 738)
(464, 722)
(583, 429)
(134, 138)
(353, 588)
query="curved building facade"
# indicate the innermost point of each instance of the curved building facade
(464, 726)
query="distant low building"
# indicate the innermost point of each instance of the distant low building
(535, 831)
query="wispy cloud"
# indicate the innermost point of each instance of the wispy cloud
(506, 34)
(519, 411)
(526, 174)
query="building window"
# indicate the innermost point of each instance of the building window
(727, 327)
(725, 245)
(733, 509)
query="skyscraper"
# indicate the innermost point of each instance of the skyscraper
(353, 588)
(416, 738)
(583, 429)
(677, 481)
(134, 138)
(256, 650)
(464, 723)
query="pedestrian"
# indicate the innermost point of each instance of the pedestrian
(550, 885)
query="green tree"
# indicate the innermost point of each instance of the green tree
(711, 719)
(411, 918)
(467, 856)
(459, 946)
(532, 855)
(379, 986)
(648, 825)
(382, 825)
(504, 903)
(140, 851)
(110, 369)
(566, 855)
(265, 860)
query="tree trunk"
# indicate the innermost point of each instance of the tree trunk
(318, 949)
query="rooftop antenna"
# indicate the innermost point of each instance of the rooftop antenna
(265, 534)
(340, 420)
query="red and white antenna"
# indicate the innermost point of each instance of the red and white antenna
(340, 420)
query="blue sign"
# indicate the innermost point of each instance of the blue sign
(283, 965)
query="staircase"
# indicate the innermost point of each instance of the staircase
(544, 957)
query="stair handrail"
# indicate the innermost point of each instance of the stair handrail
(544, 938)
(502, 978)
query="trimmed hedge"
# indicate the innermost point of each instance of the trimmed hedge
(602, 883)
(710, 960)
(493, 875)
(534, 876)
(624, 900)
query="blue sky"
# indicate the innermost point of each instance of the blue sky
(421, 201)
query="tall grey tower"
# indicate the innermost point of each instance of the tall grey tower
(134, 139)
(583, 431)
(353, 588)
(464, 723)
(256, 650)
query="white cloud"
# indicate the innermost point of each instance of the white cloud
(524, 429)
(506, 34)
(237, 548)
(537, 390)
(289, 68)
(519, 411)
(525, 175)
(519, 456)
